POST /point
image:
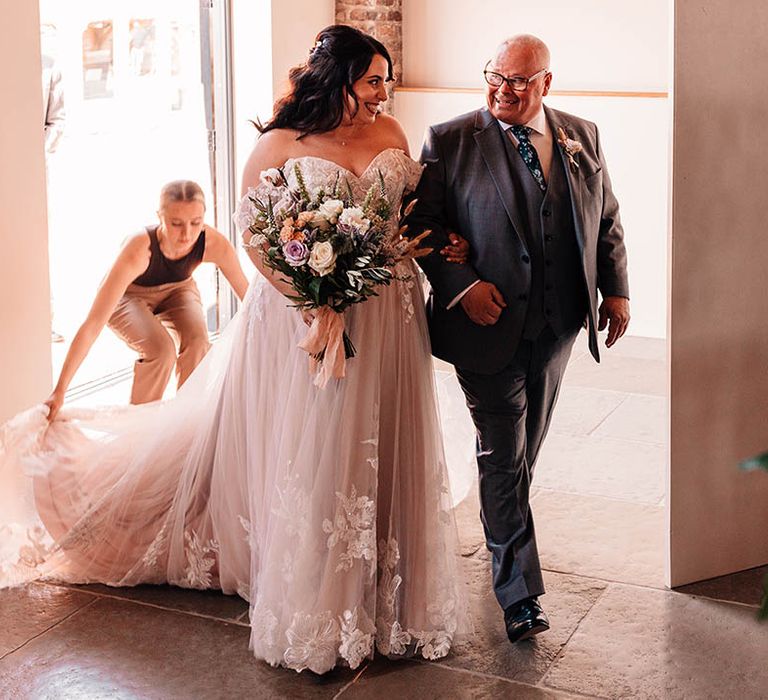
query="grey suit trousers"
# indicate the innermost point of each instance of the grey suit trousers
(512, 410)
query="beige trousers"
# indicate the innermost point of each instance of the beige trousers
(154, 321)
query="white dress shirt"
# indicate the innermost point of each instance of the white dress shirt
(542, 140)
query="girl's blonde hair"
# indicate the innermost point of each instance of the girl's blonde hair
(181, 191)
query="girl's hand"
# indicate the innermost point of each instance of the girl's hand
(458, 251)
(54, 403)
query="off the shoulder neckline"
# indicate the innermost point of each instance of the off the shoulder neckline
(347, 170)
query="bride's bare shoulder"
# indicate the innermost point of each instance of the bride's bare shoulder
(271, 150)
(391, 133)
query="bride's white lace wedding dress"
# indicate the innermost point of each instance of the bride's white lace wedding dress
(328, 509)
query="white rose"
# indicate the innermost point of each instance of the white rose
(319, 221)
(322, 259)
(353, 218)
(271, 177)
(331, 209)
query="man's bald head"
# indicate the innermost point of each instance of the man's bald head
(521, 56)
(527, 44)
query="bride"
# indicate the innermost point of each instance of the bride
(327, 509)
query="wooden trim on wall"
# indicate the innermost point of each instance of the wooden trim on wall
(556, 93)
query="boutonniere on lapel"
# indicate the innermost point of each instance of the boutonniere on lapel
(570, 147)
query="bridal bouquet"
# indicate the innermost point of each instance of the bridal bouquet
(332, 250)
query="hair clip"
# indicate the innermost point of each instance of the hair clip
(318, 45)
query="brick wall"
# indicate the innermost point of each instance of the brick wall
(382, 19)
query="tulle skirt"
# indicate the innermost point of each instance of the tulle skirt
(329, 510)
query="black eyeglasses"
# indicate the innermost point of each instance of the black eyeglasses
(517, 82)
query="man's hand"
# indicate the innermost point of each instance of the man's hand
(483, 304)
(614, 313)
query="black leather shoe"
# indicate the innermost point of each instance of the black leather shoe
(525, 619)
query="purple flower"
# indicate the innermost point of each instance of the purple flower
(296, 253)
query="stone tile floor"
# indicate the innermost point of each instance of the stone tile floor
(616, 631)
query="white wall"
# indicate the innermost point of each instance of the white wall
(719, 303)
(269, 37)
(595, 45)
(294, 27)
(25, 350)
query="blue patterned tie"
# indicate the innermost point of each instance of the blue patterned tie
(528, 152)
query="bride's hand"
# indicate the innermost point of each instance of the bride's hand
(458, 251)
(54, 403)
(308, 315)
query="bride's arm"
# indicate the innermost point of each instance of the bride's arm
(456, 250)
(393, 133)
(271, 151)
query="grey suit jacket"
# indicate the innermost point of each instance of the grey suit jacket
(467, 186)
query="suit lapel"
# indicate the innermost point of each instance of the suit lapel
(572, 175)
(487, 137)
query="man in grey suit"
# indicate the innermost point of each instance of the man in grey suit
(528, 187)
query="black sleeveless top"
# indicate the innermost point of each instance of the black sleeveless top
(162, 270)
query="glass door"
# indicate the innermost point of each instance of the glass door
(138, 85)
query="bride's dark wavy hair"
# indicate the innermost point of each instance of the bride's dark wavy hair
(315, 103)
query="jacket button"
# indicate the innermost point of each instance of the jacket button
(548, 287)
(546, 212)
(525, 259)
(547, 312)
(548, 263)
(548, 238)
(522, 297)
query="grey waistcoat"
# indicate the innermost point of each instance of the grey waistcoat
(557, 296)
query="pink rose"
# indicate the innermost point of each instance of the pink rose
(296, 253)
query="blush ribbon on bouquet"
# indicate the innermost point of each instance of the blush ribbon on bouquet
(327, 347)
